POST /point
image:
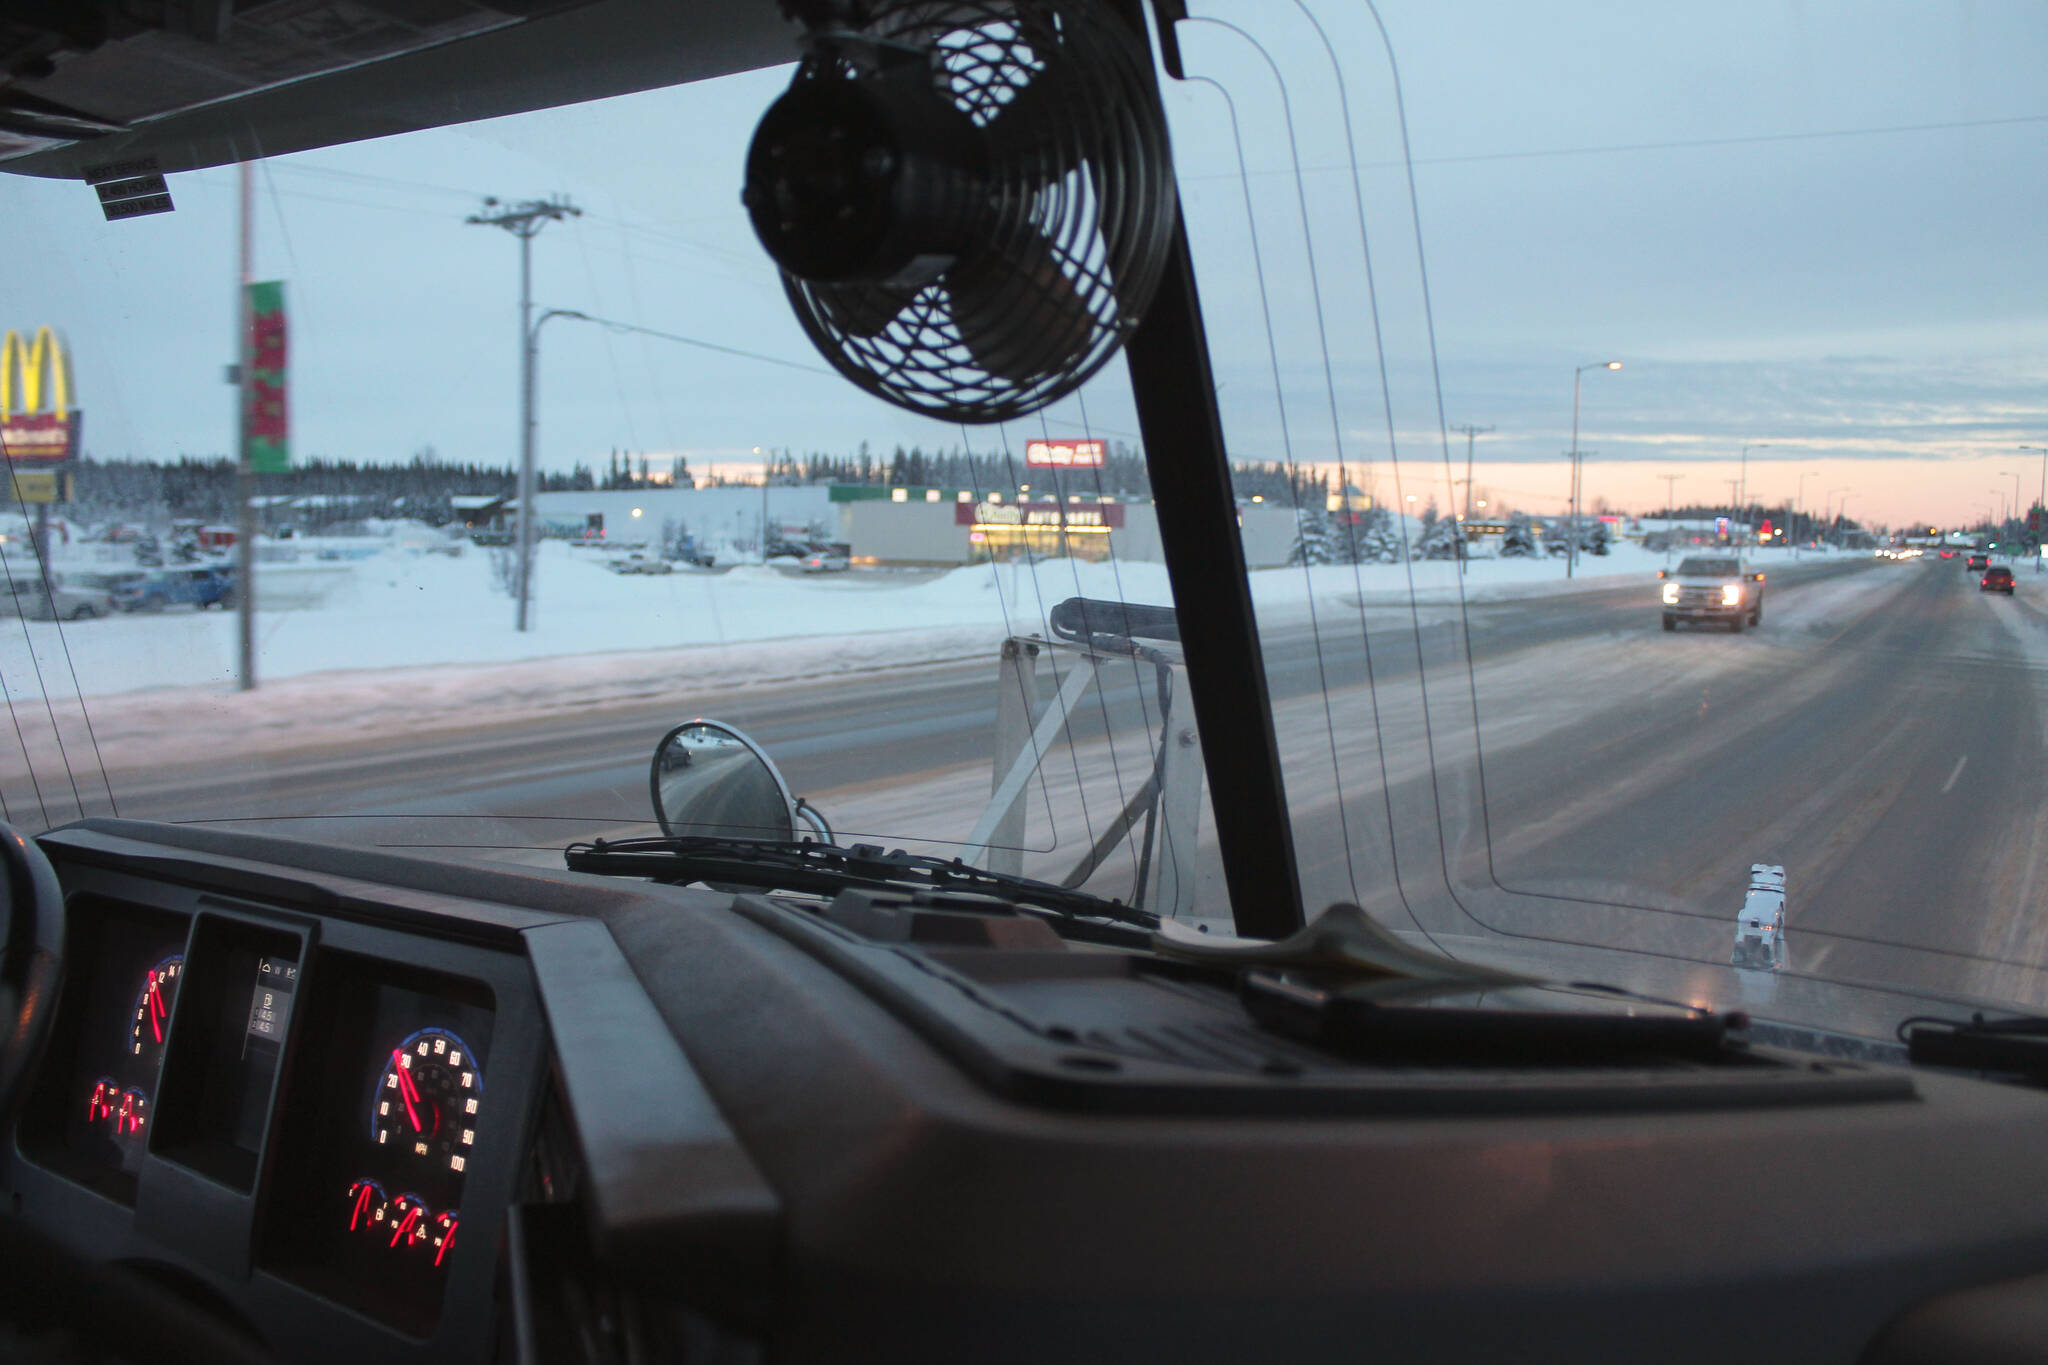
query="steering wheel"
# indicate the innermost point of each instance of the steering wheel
(31, 958)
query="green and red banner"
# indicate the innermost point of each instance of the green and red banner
(266, 443)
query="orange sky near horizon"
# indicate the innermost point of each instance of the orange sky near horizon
(1955, 492)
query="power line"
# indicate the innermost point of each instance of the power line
(1677, 144)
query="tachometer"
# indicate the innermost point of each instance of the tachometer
(153, 1010)
(427, 1100)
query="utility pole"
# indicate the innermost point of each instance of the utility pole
(1670, 484)
(1743, 495)
(2043, 504)
(245, 472)
(524, 221)
(1470, 433)
(1571, 553)
(1733, 486)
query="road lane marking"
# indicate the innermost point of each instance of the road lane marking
(1954, 775)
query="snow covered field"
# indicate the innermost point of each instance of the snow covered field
(401, 641)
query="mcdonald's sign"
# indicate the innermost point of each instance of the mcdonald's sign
(38, 421)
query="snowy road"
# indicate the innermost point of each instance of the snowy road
(1881, 735)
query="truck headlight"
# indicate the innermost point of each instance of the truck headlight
(1671, 593)
(1731, 594)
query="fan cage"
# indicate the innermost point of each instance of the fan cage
(1080, 184)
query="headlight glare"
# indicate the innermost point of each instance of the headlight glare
(1671, 593)
(1731, 594)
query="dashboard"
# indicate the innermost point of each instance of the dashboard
(313, 1119)
(351, 1104)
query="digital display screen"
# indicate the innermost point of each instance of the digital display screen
(218, 1082)
(270, 1001)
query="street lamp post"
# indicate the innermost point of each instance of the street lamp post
(1571, 552)
(529, 427)
(1670, 485)
(764, 503)
(2043, 503)
(1845, 492)
(1798, 507)
(1744, 495)
(1471, 432)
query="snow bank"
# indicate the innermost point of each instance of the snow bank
(405, 642)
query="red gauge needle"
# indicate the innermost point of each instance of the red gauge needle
(156, 1011)
(362, 1202)
(447, 1244)
(412, 1216)
(406, 1091)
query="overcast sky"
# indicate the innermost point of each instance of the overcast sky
(1815, 226)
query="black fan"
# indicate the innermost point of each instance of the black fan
(971, 200)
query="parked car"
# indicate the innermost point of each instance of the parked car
(641, 563)
(199, 586)
(1997, 578)
(66, 599)
(826, 559)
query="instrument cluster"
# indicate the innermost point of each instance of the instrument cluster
(340, 1096)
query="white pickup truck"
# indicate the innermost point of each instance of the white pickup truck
(1760, 928)
(1712, 587)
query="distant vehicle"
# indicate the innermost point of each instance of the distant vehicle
(637, 563)
(69, 600)
(688, 551)
(1760, 928)
(1978, 561)
(1948, 554)
(1996, 579)
(1712, 588)
(200, 586)
(826, 559)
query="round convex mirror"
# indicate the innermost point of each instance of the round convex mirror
(712, 782)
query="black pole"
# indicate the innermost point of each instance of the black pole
(1175, 395)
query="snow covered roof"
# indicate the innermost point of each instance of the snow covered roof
(471, 502)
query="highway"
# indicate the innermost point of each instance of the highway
(1881, 735)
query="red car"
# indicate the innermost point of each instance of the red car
(1996, 579)
(1948, 554)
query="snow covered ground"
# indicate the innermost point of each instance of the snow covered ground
(401, 641)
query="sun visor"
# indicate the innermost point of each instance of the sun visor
(225, 82)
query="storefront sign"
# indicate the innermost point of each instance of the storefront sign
(38, 424)
(1064, 454)
(1050, 516)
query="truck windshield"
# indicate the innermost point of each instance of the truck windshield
(1709, 568)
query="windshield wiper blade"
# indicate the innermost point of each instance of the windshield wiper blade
(2017, 1044)
(806, 865)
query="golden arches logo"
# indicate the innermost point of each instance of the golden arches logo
(31, 363)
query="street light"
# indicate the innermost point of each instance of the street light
(2043, 451)
(1753, 445)
(1799, 506)
(1670, 534)
(764, 503)
(1571, 553)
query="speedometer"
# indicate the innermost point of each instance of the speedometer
(427, 1101)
